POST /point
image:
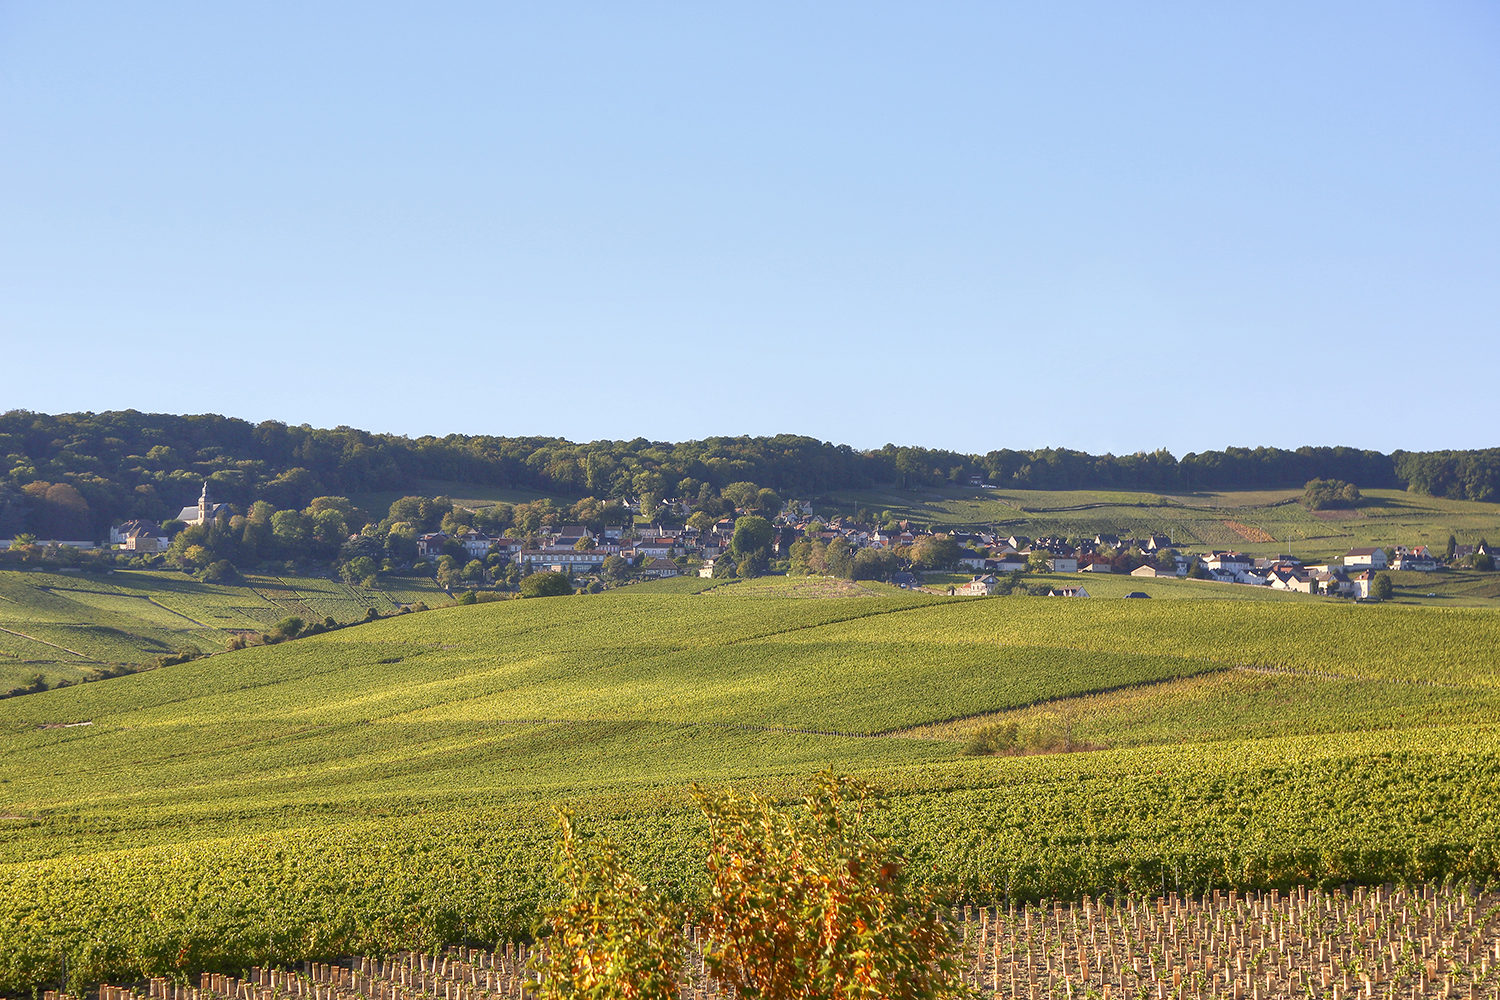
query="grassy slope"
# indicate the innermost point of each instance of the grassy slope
(67, 626)
(415, 759)
(1203, 520)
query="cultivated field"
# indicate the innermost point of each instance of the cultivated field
(390, 786)
(73, 626)
(1265, 522)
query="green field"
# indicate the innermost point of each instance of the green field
(1264, 522)
(73, 626)
(392, 784)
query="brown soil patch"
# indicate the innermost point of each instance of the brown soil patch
(1248, 533)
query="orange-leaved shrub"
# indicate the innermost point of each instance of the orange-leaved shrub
(611, 938)
(807, 905)
(804, 904)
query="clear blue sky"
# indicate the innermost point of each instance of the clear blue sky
(971, 225)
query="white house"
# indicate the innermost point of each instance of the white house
(1286, 579)
(1359, 584)
(1416, 561)
(476, 544)
(138, 536)
(1067, 592)
(430, 546)
(654, 548)
(660, 568)
(144, 536)
(1232, 563)
(563, 560)
(1063, 564)
(1365, 559)
(980, 586)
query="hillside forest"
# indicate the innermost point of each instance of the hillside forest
(72, 475)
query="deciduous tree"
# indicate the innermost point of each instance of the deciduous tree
(546, 584)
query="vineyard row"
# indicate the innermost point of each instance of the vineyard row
(1374, 943)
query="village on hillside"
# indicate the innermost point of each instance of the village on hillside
(657, 551)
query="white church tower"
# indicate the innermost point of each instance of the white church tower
(206, 510)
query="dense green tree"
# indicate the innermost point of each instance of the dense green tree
(768, 502)
(290, 531)
(799, 557)
(875, 564)
(329, 530)
(220, 571)
(546, 584)
(752, 533)
(293, 488)
(839, 559)
(449, 573)
(359, 569)
(937, 551)
(1381, 587)
(495, 518)
(751, 564)
(1321, 494)
(614, 568)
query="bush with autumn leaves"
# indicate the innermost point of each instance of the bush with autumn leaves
(804, 904)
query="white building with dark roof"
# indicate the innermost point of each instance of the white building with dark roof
(1371, 558)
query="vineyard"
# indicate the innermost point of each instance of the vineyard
(73, 627)
(1263, 522)
(390, 787)
(1390, 943)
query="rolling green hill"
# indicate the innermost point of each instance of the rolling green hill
(1262, 522)
(75, 626)
(392, 784)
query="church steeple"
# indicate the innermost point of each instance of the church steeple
(203, 504)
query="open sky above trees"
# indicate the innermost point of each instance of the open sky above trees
(1108, 228)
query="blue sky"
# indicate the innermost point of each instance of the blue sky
(1102, 226)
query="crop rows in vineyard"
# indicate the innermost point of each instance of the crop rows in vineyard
(1390, 943)
(389, 785)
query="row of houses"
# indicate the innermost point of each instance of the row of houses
(988, 585)
(572, 549)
